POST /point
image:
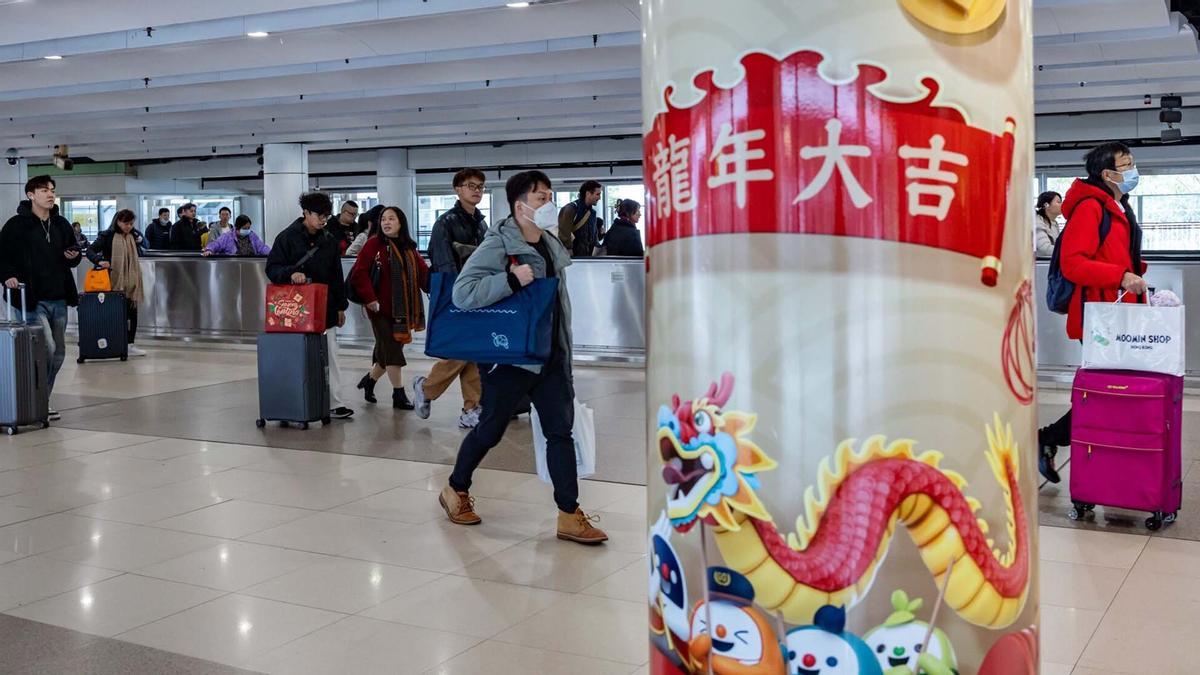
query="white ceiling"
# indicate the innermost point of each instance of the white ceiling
(370, 73)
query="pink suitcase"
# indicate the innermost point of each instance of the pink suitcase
(1126, 443)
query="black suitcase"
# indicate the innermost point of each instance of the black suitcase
(102, 329)
(293, 379)
(24, 396)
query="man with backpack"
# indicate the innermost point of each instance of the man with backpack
(1096, 258)
(456, 234)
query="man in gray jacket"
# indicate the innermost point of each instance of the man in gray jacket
(489, 276)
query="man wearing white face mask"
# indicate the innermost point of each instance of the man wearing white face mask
(1101, 263)
(488, 277)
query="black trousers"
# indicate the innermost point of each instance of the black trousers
(553, 394)
(130, 320)
(1057, 434)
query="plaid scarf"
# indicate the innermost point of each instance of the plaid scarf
(408, 309)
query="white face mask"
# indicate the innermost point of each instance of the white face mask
(546, 217)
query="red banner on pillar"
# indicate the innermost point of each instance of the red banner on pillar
(787, 150)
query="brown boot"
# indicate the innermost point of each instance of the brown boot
(577, 527)
(459, 506)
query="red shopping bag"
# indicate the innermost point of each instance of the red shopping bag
(296, 308)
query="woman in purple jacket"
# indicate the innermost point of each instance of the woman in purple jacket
(240, 240)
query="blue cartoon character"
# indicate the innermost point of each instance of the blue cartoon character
(899, 642)
(825, 648)
(742, 641)
(668, 594)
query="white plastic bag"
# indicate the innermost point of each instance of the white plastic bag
(1124, 336)
(584, 432)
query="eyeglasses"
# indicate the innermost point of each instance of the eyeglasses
(474, 187)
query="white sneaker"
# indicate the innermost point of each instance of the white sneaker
(420, 402)
(136, 351)
(470, 418)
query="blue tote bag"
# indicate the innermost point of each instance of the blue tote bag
(516, 331)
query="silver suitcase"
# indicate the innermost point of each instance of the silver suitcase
(24, 397)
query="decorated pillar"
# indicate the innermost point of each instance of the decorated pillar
(841, 370)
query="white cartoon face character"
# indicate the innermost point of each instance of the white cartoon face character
(900, 646)
(736, 634)
(816, 652)
(672, 587)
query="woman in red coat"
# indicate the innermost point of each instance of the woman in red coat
(389, 275)
(1099, 269)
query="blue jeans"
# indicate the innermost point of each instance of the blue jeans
(51, 315)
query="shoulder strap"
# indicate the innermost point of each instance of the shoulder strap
(579, 222)
(307, 256)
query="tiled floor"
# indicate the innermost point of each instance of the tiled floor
(133, 519)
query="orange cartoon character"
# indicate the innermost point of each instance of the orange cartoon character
(741, 641)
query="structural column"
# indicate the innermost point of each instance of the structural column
(285, 178)
(252, 206)
(840, 372)
(12, 187)
(397, 183)
(499, 203)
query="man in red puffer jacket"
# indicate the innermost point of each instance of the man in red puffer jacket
(1100, 269)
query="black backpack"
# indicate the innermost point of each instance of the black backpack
(1059, 289)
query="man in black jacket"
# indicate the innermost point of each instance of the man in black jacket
(342, 225)
(38, 249)
(158, 232)
(185, 234)
(323, 267)
(455, 234)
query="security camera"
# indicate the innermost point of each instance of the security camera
(11, 156)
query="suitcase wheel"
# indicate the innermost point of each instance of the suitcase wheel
(326, 420)
(1158, 519)
(260, 423)
(284, 425)
(80, 360)
(304, 426)
(11, 431)
(44, 424)
(1080, 510)
(124, 358)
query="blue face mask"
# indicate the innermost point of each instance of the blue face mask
(243, 233)
(1129, 182)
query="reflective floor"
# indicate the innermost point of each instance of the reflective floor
(154, 530)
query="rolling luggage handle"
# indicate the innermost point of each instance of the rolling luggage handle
(24, 304)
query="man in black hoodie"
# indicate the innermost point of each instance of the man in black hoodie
(158, 232)
(323, 267)
(185, 235)
(38, 249)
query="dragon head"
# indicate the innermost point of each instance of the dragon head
(708, 465)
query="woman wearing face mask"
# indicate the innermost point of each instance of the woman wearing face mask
(116, 250)
(1046, 231)
(1101, 265)
(393, 299)
(239, 240)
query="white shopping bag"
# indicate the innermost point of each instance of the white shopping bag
(585, 442)
(1123, 336)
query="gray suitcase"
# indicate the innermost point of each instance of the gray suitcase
(293, 379)
(24, 397)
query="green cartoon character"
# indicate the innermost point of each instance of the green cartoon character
(898, 642)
